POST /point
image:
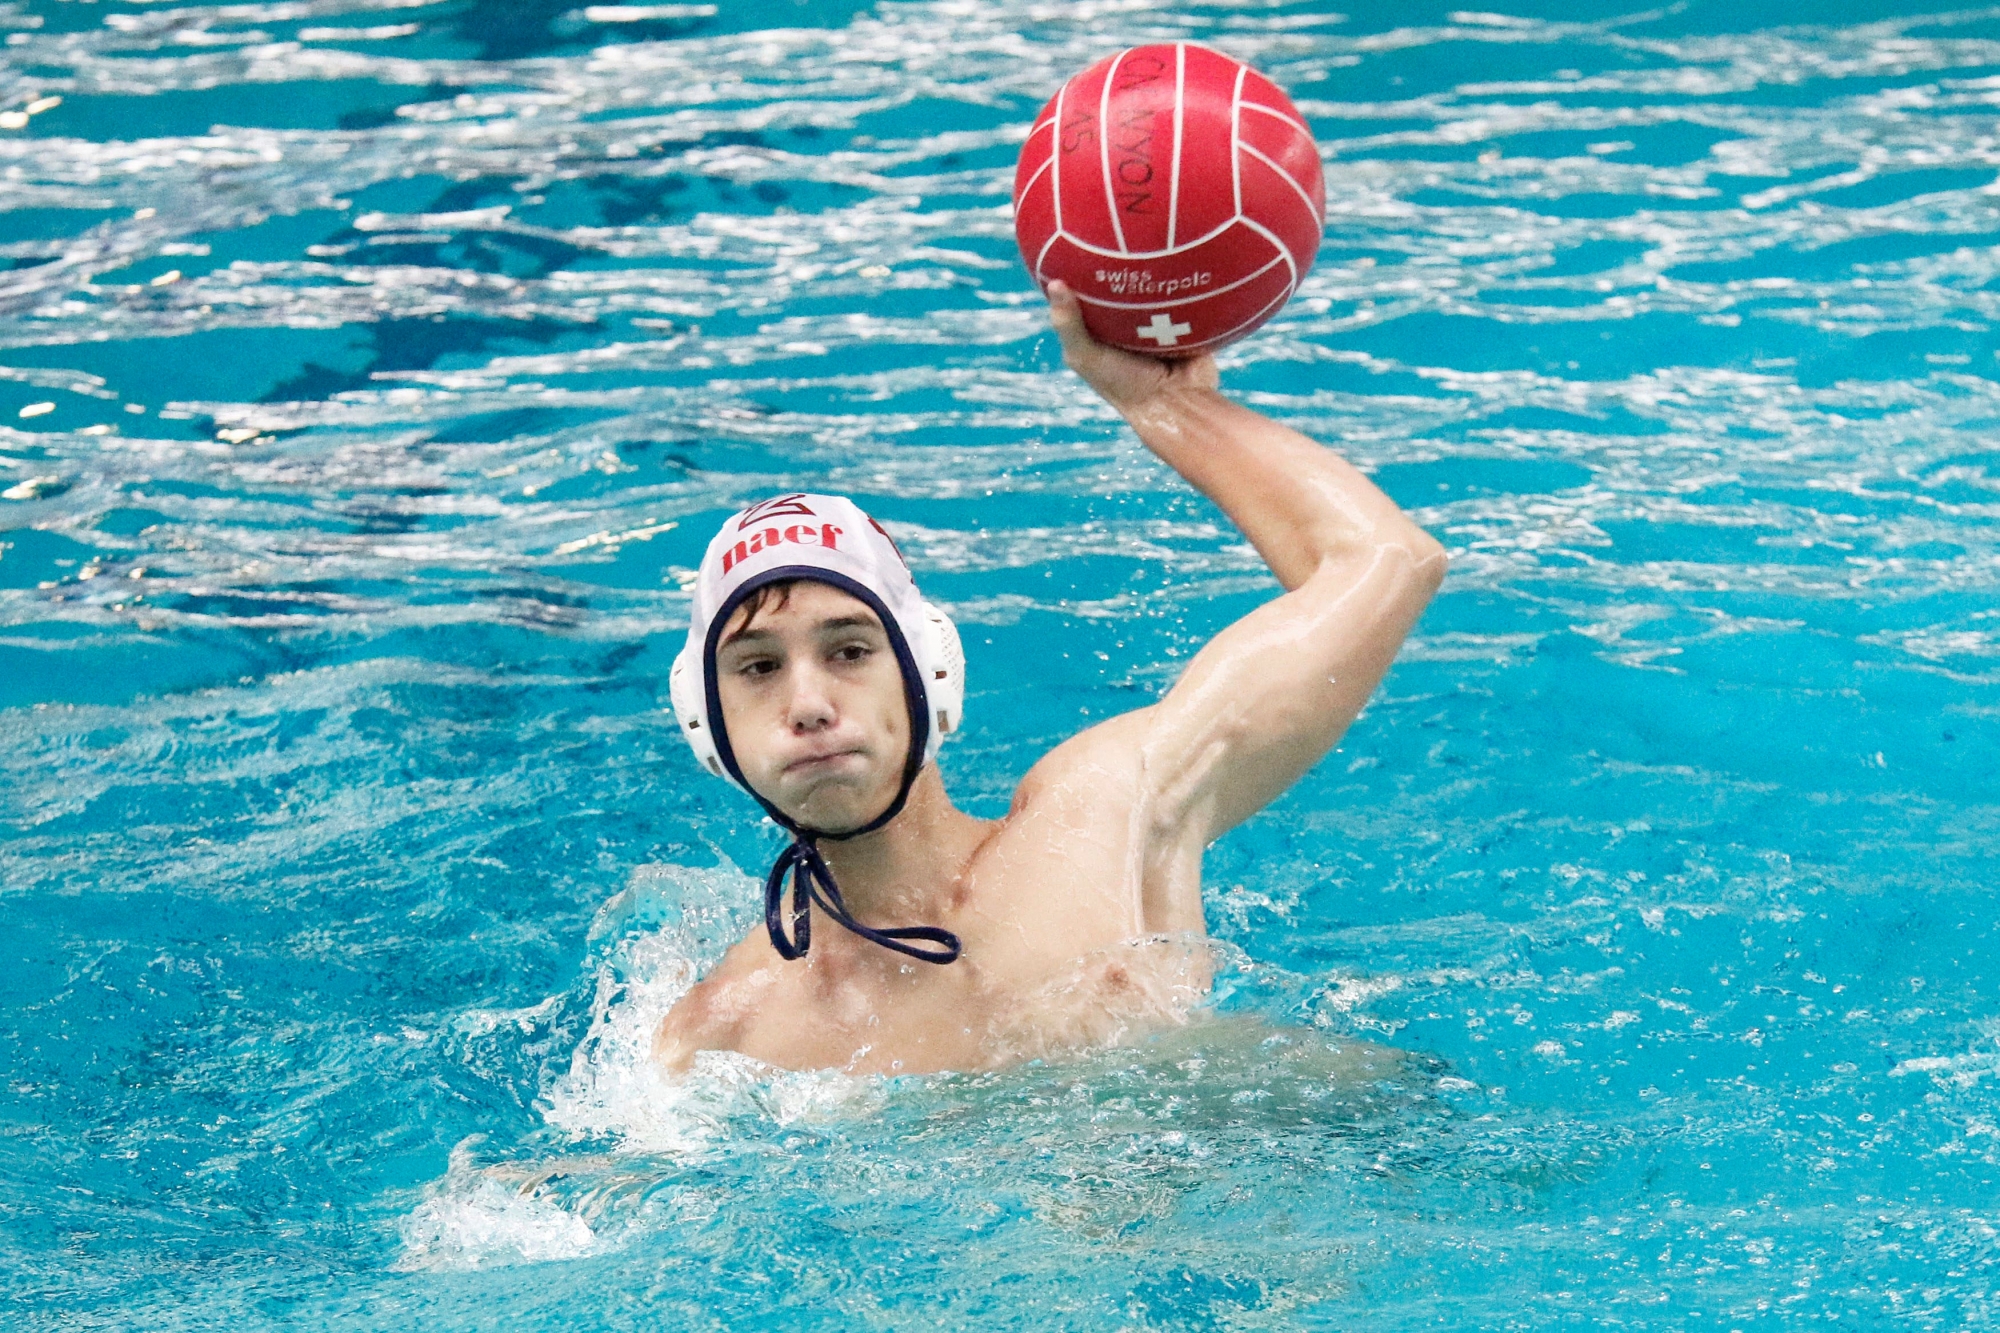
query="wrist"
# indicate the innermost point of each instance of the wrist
(1171, 407)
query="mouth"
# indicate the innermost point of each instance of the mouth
(812, 764)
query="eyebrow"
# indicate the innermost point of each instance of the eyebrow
(831, 623)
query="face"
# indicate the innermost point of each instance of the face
(813, 698)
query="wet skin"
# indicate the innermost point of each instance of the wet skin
(1080, 909)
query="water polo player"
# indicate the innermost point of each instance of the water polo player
(904, 935)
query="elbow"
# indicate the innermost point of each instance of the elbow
(1430, 559)
(1422, 554)
(1409, 558)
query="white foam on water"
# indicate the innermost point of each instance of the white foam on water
(489, 1224)
(658, 936)
(638, 1123)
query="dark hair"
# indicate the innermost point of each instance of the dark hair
(774, 594)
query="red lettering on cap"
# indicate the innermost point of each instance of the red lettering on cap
(769, 539)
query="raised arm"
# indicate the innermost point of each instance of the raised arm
(1271, 694)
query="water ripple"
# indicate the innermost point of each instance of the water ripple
(373, 371)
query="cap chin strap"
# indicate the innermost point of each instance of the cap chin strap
(812, 882)
(812, 878)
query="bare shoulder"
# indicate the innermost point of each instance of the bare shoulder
(716, 1011)
(1102, 763)
(1074, 865)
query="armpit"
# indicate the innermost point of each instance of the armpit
(1089, 769)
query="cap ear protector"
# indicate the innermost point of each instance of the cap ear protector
(684, 689)
(944, 659)
(940, 659)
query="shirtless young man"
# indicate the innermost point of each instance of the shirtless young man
(1068, 920)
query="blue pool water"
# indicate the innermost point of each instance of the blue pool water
(399, 358)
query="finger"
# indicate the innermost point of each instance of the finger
(1066, 314)
(1065, 311)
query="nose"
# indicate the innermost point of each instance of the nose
(809, 707)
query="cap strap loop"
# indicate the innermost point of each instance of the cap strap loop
(812, 882)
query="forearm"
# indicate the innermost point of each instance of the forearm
(1265, 699)
(1300, 503)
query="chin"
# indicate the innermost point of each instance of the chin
(836, 809)
(835, 818)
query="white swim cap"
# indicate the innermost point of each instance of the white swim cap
(828, 539)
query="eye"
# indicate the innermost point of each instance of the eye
(853, 652)
(756, 666)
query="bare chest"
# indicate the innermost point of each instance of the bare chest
(1080, 924)
(1059, 953)
(966, 1018)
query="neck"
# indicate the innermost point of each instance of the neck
(906, 872)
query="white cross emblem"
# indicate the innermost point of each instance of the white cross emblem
(1164, 331)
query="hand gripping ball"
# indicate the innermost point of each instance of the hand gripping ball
(1177, 191)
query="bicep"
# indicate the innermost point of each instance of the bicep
(1270, 695)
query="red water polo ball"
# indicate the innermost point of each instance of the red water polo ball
(1177, 191)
